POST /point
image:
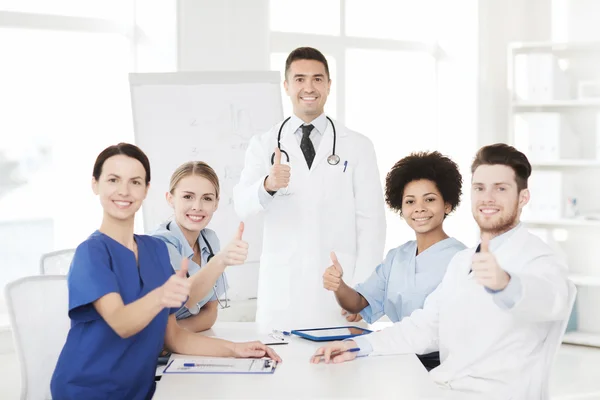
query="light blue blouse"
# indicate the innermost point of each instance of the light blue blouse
(400, 284)
(178, 246)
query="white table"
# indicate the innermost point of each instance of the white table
(401, 377)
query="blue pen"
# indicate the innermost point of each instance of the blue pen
(206, 365)
(352, 350)
(337, 353)
(345, 165)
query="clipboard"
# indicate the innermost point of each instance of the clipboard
(330, 334)
(221, 366)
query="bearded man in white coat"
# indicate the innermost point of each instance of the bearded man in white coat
(497, 305)
(318, 188)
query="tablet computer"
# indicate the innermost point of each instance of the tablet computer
(328, 334)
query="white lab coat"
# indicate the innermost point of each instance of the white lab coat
(326, 210)
(487, 349)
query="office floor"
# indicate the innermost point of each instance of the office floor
(576, 375)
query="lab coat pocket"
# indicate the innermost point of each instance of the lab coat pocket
(274, 282)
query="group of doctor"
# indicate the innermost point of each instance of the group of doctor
(477, 318)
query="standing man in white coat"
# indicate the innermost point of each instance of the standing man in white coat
(318, 185)
(500, 307)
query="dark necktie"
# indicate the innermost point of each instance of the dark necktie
(306, 145)
(477, 250)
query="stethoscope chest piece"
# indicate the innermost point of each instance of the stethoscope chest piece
(333, 159)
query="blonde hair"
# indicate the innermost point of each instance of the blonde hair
(199, 168)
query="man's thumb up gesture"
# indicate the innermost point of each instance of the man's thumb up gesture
(279, 175)
(332, 278)
(486, 270)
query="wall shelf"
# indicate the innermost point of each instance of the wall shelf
(559, 49)
(563, 222)
(566, 164)
(584, 280)
(582, 338)
(525, 106)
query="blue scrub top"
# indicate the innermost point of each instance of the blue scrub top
(178, 246)
(400, 284)
(95, 362)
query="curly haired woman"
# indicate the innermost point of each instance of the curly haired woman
(423, 188)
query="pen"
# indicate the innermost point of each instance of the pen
(337, 353)
(206, 365)
(285, 333)
(345, 165)
(352, 350)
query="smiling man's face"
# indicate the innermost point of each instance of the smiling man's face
(495, 199)
(308, 85)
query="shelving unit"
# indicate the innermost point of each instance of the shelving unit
(585, 280)
(564, 222)
(582, 338)
(566, 163)
(550, 94)
(556, 105)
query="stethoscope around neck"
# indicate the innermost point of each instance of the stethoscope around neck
(333, 159)
(211, 254)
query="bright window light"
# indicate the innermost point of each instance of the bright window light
(307, 16)
(391, 98)
(392, 19)
(65, 97)
(117, 10)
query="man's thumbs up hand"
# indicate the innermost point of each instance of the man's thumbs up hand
(486, 270)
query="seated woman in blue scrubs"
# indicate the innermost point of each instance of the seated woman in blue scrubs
(194, 196)
(424, 188)
(123, 293)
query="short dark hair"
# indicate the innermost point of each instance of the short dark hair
(306, 53)
(503, 154)
(431, 166)
(125, 149)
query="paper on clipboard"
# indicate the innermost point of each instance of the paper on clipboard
(270, 339)
(221, 366)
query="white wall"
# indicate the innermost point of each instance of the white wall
(581, 19)
(223, 35)
(155, 36)
(500, 23)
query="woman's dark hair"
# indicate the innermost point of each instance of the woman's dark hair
(431, 166)
(503, 154)
(125, 149)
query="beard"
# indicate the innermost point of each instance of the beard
(501, 224)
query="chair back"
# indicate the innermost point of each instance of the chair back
(56, 262)
(38, 311)
(554, 340)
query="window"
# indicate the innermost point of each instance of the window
(116, 10)
(307, 16)
(402, 120)
(392, 19)
(66, 94)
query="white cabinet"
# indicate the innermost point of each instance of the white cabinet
(557, 125)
